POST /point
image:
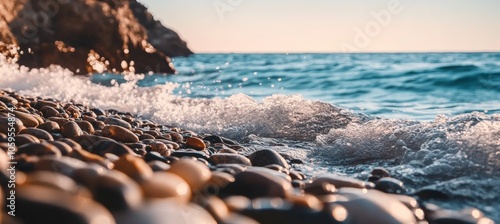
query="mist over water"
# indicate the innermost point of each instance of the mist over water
(344, 113)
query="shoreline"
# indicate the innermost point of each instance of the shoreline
(107, 156)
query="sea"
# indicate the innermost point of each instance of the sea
(431, 119)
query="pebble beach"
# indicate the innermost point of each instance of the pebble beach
(66, 162)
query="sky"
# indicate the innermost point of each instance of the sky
(288, 26)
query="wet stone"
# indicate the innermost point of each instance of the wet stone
(258, 183)
(116, 191)
(195, 173)
(39, 204)
(110, 146)
(195, 143)
(39, 149)
(23, 139)
(7, 100)
(117, 122)
(166, 185)
(158, 166)
(49, 111)
(166, 212)
(39, 133)
(267, 157)
(64, 165)
(390, 185)
(42, 103)
(71, 129)
(160, 148)
(4, 125)
(64, 148)
(380, 172)
(50, 126)
(226, 158)
(86, 126)
(120, 134)
(194, 154)
(134, 167)
(213, 139)
(27, 119)
(339, 181)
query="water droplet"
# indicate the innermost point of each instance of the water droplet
(245, 79)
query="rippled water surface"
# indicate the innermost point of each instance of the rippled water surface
(415, 86)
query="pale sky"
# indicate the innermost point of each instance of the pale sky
(332, 25)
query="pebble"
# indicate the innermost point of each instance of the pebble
(116, 191)
(71, 129)
(257, 183)
(195, 143)
(27, 119)
(5, 124)
(50, 126)
(158, 166)
(22, 139)
(110, 146)
(338, 181)
(227, 158)
(193, 154)
(38, 133)
(266, 157)
(196, 174)
(166, 212)
(120, 134)
(64, 165)
(41, 204)
(117, 122)
(160, 148)
(64, 148)
(86, 127)
(166, 185)
(38, 149)
(134, 167)
(372, 206)
(49, 111)
(390, 185)
(8, 100)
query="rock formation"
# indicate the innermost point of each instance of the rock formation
(89, 36)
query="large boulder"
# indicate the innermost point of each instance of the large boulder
(84, 36)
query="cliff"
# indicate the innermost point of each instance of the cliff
(88, 36)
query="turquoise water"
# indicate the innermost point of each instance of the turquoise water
(414, 86)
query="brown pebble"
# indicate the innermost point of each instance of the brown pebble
(339, 181)
(51, 179)
(49, 111)
(39, 133)
(59, 120)
(120, 134)
(196, 143)
(220, 179)
(27, 119)
(40, 204)
(134, 167)
(5, 125)
(176, 137)
(65, 149)
(258, 183)
(50, 126)
(92, 158)
(158, 166)
(86, 126)
(41, 103)
(227, 158)
(39, 149)
(266, 157)
(116, 191)
(71, 129)
(110, 146)
(64, 165)
(22, 139)
(160, 148)
(195, 173)
(166, 185)
(8, 100)
(117, 122)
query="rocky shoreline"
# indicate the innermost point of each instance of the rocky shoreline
(65, 162)
(88, 36)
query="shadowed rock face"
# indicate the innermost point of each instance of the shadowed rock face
(88, 36)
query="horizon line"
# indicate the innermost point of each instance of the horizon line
(341, 52)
